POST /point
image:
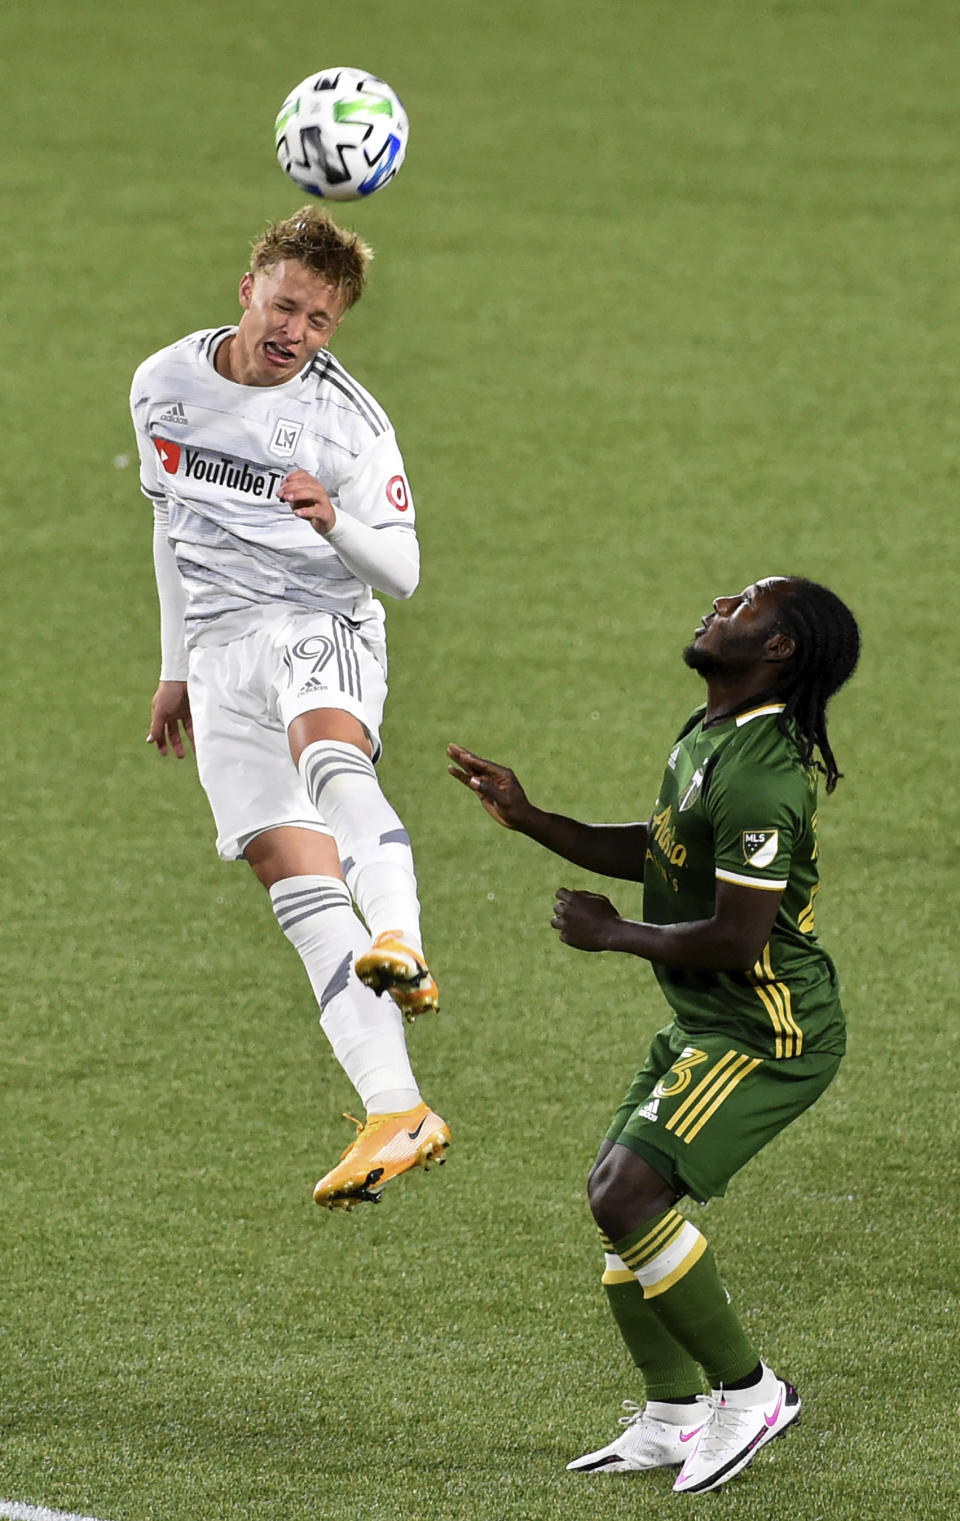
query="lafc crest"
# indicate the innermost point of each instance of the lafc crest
(760, 846)
(285, 437)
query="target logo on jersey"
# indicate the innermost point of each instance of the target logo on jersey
(398, 493)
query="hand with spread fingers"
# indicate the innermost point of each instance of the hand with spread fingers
(496, 787)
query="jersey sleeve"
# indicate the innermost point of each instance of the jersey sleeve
(172, 599)
(150, 472)
(173, 654)
(757, 813)
(375, 488)
(374, 534)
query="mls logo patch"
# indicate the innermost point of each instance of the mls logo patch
(285, 437)
(760, 846)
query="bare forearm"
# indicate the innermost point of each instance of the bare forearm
(731, 940)
(610, 850)
(698, 945)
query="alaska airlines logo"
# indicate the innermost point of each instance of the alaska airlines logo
(663, 833)
(217, 469)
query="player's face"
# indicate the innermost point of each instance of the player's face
(289, 315)
(733, 635)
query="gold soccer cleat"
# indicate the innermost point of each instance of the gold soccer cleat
(392, 966)
(414, 1001)
(386, 1146)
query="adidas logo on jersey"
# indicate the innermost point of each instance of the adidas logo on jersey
(174, 414)
(650, 1109)
(313, 685)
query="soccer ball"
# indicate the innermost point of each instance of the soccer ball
(341, 134)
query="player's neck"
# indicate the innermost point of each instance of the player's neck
(221, 358)
(726, 698)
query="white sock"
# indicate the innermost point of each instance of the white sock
(366, 1032)
(374, 846)
(764, 1392)
(670, 1412)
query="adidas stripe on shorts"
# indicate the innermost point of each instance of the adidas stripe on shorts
(701, 1106)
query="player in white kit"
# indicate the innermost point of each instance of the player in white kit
(280, 500)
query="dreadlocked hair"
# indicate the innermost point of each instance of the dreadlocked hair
(827, 642)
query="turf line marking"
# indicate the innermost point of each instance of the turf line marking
(13, 1511)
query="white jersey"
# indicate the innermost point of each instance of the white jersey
(215, 453)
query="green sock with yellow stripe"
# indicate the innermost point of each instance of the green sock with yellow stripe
(669, 1373)
(676, 1270)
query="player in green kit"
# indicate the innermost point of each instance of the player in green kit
(728, 862)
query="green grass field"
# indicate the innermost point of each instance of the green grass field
(666, 298)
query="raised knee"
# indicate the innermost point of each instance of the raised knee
(593, 1178)
(624, 1192)
(605, 1197)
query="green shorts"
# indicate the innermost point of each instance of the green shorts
(700, 1107)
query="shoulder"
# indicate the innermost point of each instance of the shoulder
(758, 738)
(187, 353)
(760, 759)
(351, 407)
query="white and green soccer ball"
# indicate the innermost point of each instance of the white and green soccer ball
(341, 134)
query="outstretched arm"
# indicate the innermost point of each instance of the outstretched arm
(612, 850)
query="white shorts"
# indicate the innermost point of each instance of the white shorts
(243, 697)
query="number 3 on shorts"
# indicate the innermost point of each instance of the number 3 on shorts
(680, 1072)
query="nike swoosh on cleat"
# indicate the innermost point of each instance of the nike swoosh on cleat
(688, 1436)
(771, 1420)
(414, 1133)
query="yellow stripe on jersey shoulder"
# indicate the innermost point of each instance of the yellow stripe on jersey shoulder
(772, 707)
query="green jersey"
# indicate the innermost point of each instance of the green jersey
(737, 803)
